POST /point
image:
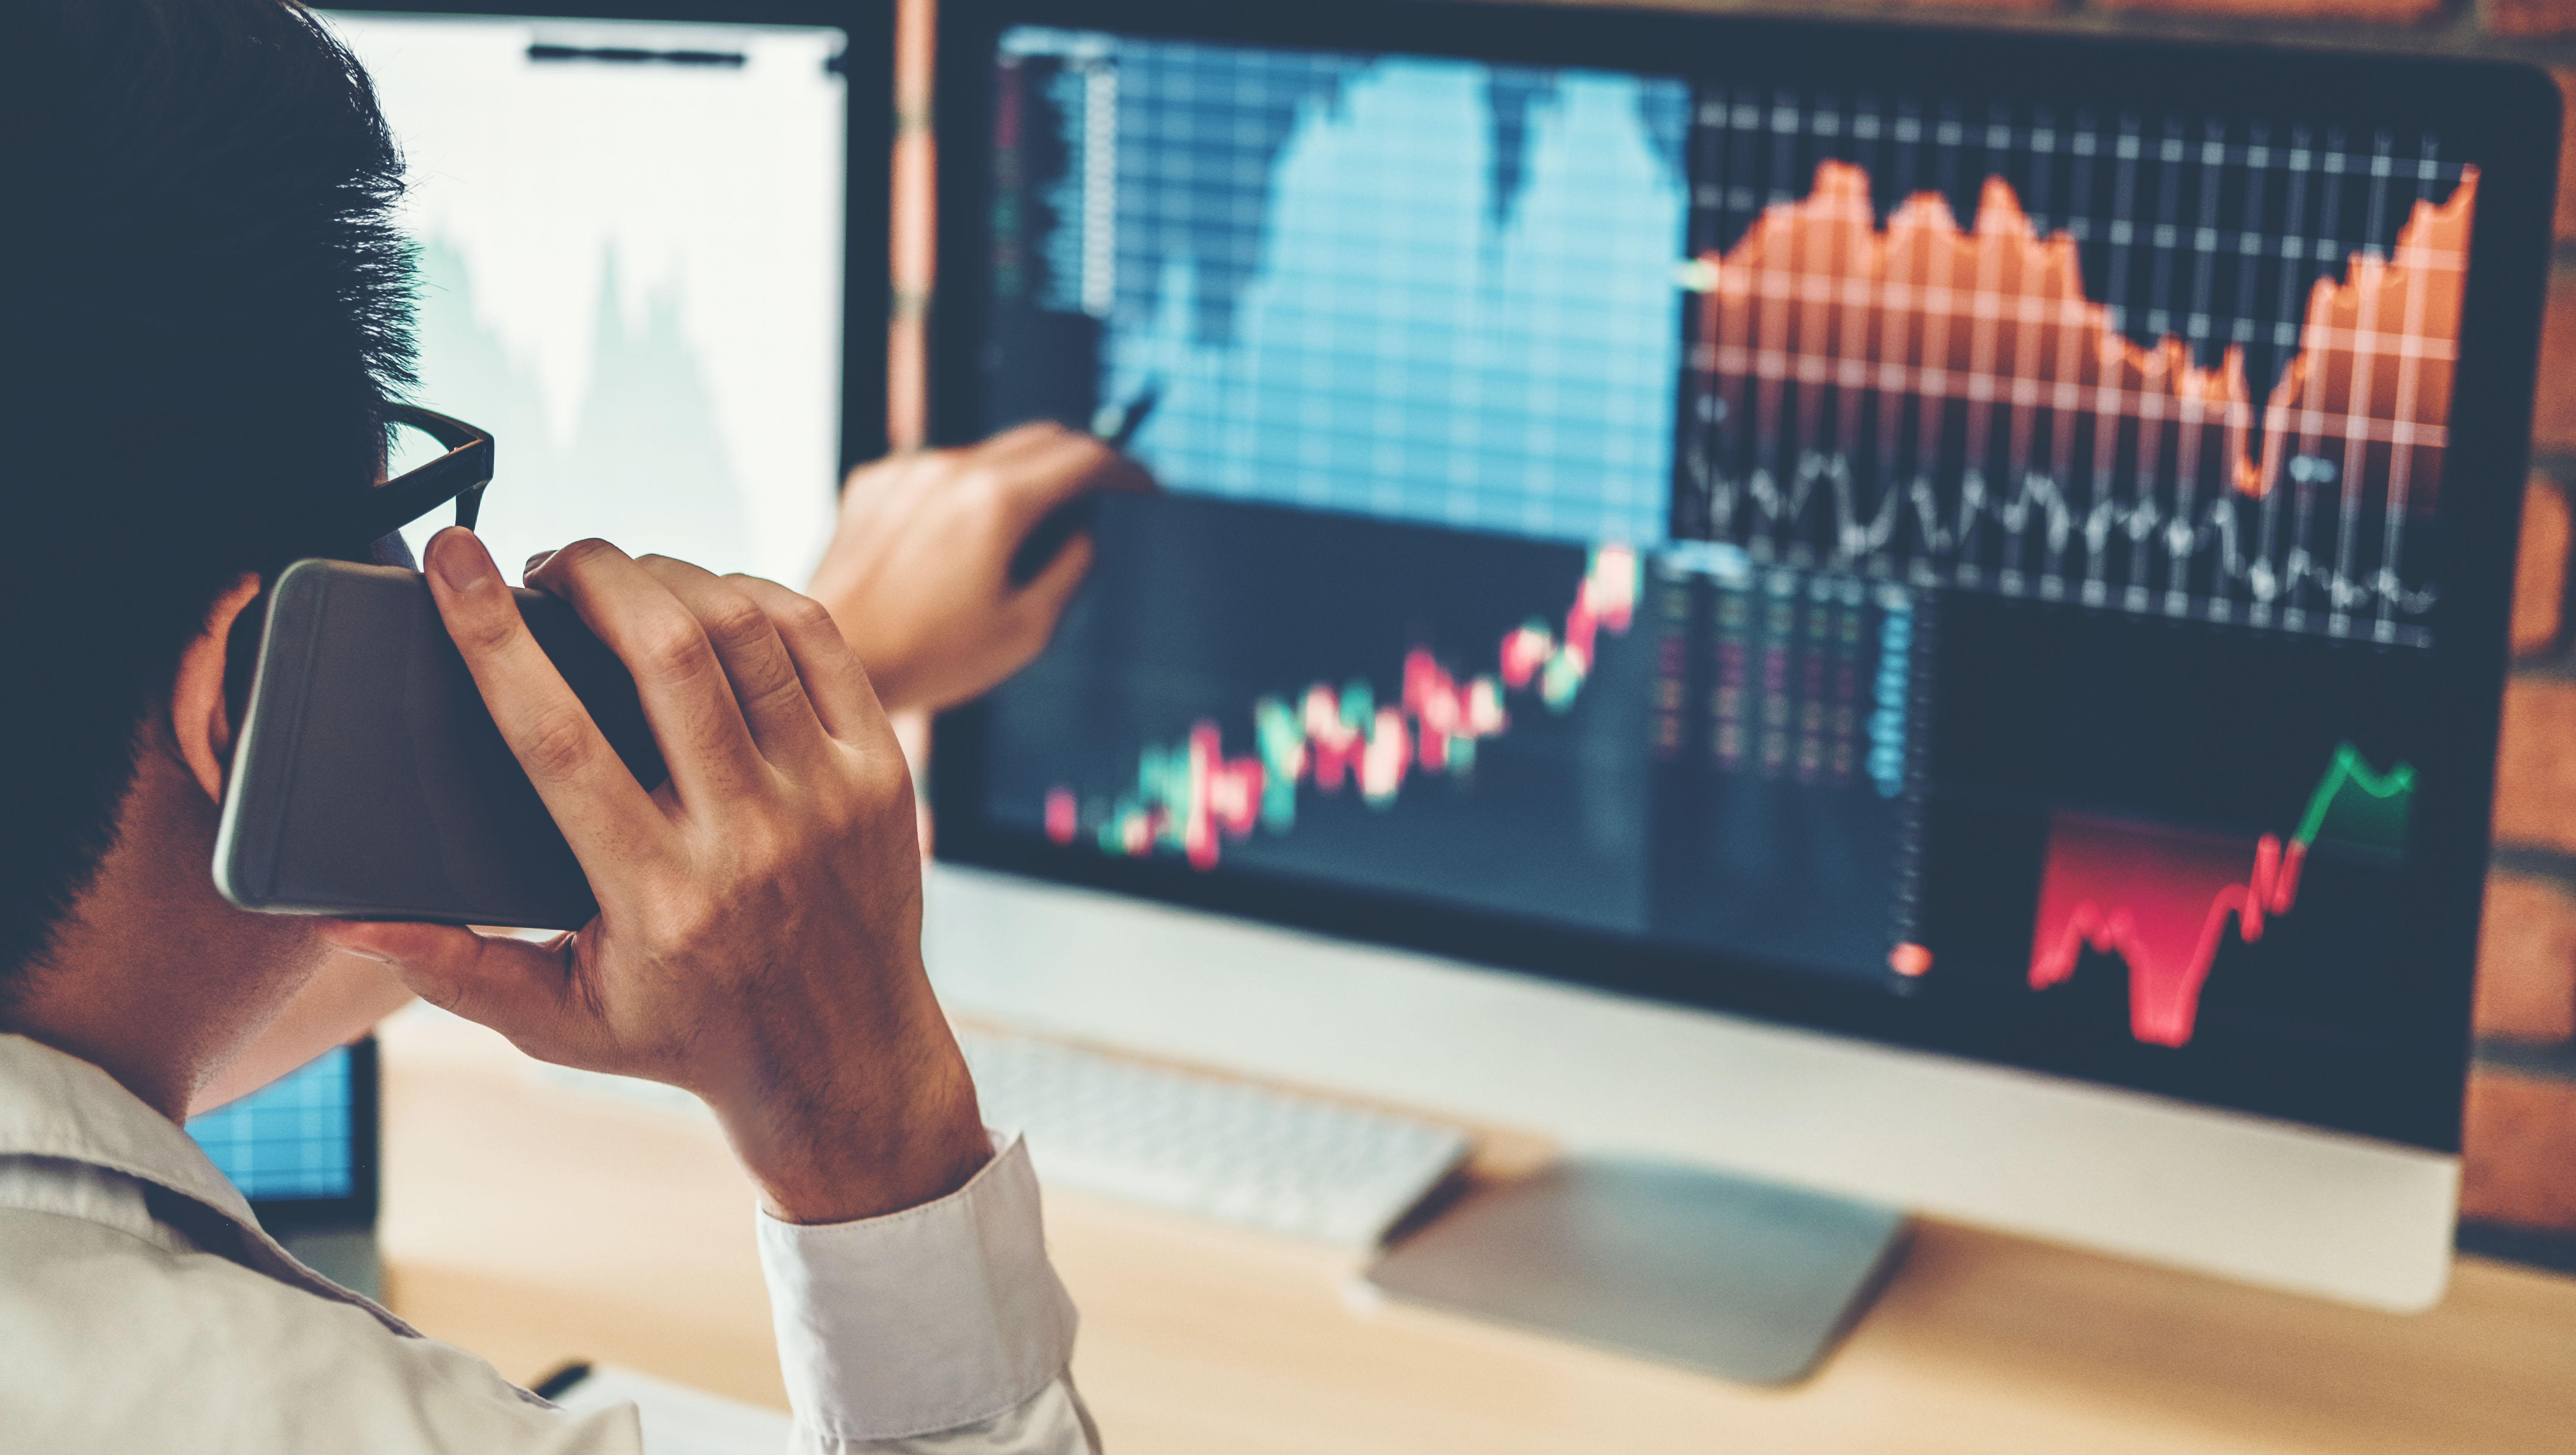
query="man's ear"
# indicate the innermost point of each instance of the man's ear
(200, 719)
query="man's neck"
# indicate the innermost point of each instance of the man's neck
(152, 977)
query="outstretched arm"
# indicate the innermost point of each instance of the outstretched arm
(918, 573)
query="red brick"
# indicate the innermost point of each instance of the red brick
(2535, 800)
(2540, 576)
(2519, 1151)
(2527, 961)
(2529, 17)
(2553, 404)
(2391, 12)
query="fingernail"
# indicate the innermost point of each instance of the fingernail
(459, 559)
(539, 559)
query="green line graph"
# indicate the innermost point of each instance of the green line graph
(2356, 806)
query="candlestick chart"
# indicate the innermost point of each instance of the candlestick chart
(2164, 899)
(1944, 402)
(1191, 795)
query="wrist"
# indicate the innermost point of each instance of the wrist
(874, 1161)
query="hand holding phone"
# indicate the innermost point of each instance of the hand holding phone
(758, 935)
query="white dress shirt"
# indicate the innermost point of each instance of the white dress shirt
(142, 1309)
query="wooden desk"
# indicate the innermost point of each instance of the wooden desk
(530, 1223)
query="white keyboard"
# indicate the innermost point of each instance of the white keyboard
(1196, 1144)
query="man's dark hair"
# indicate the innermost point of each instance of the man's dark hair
(204, 308)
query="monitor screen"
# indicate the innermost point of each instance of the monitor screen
(631, 256)
(1971, 556)
(302, 1148)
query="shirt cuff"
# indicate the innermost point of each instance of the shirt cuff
(923, 1320)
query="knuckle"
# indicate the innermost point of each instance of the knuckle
(881, 776)
(447, 995)
(805, 614)
(734, 619)
(670, 647)
(761, 848)
(557, 745)
(580, 554)
(485, 630)
(778, 692)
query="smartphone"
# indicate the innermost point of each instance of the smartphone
(370, 782)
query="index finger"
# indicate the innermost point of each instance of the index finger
(603, 812)
(1036, 474)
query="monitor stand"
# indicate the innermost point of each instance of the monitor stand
(1741, 1279)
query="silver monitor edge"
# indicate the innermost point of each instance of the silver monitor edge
(2268, 1202)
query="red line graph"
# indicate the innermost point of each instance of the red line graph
(1820, 325)
(2171, 894)
(2168, 888)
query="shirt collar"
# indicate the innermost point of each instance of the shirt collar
(60, 1106)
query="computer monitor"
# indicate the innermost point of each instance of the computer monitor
(303, 1150)
(1917, 613)
(652, 243)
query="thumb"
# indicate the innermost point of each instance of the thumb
(514, 986)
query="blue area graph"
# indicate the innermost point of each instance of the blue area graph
(1413, 288)
(290, 1139)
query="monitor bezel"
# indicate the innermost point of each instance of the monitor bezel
(867, 240)
(2506, 116)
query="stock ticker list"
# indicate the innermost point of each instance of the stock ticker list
(1948, 545)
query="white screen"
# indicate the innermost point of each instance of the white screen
(632, 275)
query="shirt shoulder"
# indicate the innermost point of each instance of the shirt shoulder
(110, 1343)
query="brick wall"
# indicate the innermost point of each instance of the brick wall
(2521, 1122)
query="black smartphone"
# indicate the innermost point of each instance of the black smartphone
(370, 782)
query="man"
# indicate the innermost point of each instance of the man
(203, 310)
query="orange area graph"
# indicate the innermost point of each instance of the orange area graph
(1965, 374)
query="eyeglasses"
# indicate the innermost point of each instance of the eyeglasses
(458, 475)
